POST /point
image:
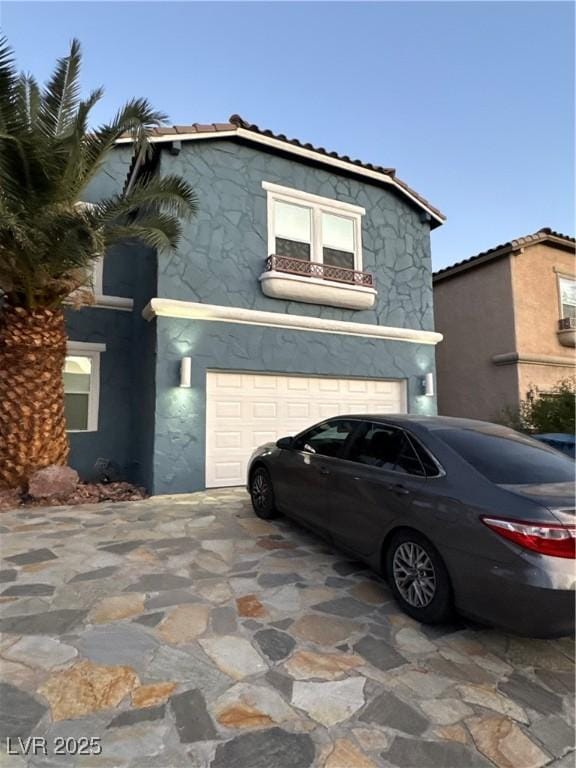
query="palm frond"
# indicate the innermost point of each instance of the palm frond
(48, 155)
(27, 102)
(171, 194)
(158, 230)
(61, 94)
(135, 119)
(8, 77)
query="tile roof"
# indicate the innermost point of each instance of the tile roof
(236, 123)
(542, 235)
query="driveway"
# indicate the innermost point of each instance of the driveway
(183, 631)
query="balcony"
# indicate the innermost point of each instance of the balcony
(567, 331)
(314, 283)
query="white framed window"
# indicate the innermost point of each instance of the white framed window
(81, 376)
(567, 292)
(312, 228)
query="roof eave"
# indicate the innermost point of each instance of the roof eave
(436, 217)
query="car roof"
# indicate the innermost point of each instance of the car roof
(427, 422)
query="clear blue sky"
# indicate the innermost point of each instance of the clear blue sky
(472, 103)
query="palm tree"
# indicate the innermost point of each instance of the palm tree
(49, 242)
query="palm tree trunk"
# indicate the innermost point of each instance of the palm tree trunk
(32, 421)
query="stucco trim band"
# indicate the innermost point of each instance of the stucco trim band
(513, 358)
(196, 311)
(113, 302)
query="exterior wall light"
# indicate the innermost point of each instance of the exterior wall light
(186, 372)
(428, 385)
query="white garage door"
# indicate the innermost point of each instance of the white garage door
(244, 410)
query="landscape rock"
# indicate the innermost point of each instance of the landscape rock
(54, 480)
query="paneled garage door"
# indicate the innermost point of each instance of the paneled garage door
(244, 410)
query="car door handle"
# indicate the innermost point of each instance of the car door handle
(323, 470)
(398, 489)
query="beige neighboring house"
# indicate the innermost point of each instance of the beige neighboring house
(508, 316)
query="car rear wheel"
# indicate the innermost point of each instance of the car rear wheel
(418, 578)
(262, 494)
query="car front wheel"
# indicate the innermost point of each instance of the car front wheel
(418, 578)
(262, 494)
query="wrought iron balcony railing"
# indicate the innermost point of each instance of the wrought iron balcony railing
(322, 271)
(567, 324)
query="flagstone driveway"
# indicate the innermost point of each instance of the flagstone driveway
(185, 632)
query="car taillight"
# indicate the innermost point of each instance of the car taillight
(550, 539)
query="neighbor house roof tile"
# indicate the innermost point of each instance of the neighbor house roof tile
(542, 235)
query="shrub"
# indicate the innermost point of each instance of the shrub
(541, 412)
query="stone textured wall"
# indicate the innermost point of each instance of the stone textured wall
(224, 248)
(156, 429)
(220, 261)
(179, 464)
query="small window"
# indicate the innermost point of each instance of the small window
(386, 448)
(326, 439)
(81, 390)
(567, 297)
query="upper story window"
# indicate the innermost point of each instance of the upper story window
(313, 228)
(567, 297)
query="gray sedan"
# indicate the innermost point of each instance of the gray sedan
(458, 515)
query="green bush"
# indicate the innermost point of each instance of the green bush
(542, 412)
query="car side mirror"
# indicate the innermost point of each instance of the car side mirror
(285, 443)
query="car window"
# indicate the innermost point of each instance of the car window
(326, 439)
(385, 447)
(430, 466)
(509, 458)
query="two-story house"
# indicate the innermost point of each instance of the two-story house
(508, 316)
(302, 289)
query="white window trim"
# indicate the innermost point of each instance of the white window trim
(98, 276)
(318, 205)
(93, 351)
(559, 277)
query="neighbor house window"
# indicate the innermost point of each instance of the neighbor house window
(82, 386)
(567, 297)
(313, 228)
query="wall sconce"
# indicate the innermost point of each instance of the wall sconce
(428, 385)
(186, 372)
